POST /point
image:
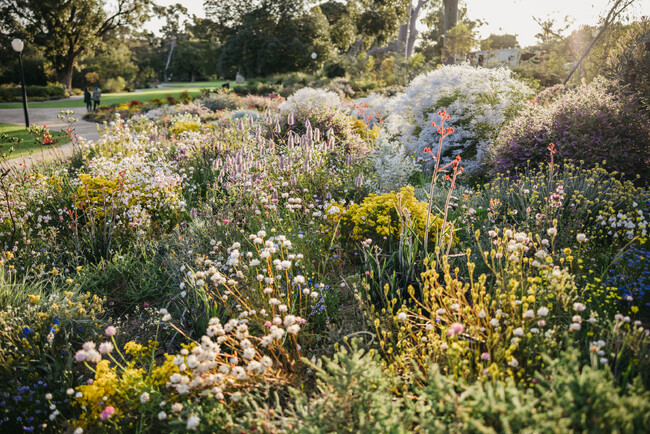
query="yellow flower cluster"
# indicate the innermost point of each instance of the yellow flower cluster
(183, 126)
(97, 193)
(121, 386)
(386, 215)
(363, 131)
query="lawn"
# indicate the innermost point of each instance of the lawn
(174, 89)
(28, 145)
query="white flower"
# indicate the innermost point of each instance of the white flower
(105, 347)
(518, 332)
(79, 431)
(575, 327)
(162, 415)
(581, 238)
(579, 307)
(48, 396)
(542, 311)
(144, 398)
(513, 362)
(529, 314)
(193, 422)
(551, 232)
(299, 280)
(494, 322)
(401, 316)
(177, 407)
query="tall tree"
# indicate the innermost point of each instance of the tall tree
(451, 19)
(460, 38)
(68, 28)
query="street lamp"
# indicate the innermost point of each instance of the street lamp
(18, 46)
(314, 55)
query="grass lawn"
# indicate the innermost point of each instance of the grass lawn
(28, 145)
(174, 89)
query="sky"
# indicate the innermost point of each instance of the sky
(502, 16)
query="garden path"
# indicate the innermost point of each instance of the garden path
(47, 116)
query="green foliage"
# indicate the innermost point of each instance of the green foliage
(498, 42)
(11, 93)
(75, 27)
(114, 85)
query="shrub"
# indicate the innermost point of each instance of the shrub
(479, 101)
(221, 101)
(381, 216)
(596, 123)
(629, 62)
(114, 85)
(309, 98)
(10, 92)
(392, 166)
(333, 70)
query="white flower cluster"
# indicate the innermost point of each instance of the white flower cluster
(626, 225)
(393, 167)
(210, 370)
(309, 98)
(477, 99)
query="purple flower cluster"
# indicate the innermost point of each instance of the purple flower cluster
(593, 123)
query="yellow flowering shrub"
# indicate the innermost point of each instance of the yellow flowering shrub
(183, 126)
(386, 215)
(97, 194)
(360, 127)
(122, 386)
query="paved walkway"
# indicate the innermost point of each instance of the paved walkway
(48, 116)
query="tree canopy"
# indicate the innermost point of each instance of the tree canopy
(67, 28)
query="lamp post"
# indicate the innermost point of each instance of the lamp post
(314, 55)
(18, 46)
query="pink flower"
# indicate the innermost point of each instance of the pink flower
(485, 356)
(110, 331)
(107, 412)
(455, 328)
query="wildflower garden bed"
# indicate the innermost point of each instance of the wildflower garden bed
(303, 266)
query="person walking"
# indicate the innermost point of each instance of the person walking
(97, 95)
(88, 99)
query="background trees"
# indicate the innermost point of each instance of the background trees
(67, 29)
(94, 42)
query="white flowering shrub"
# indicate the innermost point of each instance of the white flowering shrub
(479, 101)
(309, 98)
(392, 166)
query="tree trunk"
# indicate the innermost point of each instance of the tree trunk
(64, 76)
(402, 37)
(413, 31)
(451, 18)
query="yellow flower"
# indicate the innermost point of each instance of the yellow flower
(33, 299)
